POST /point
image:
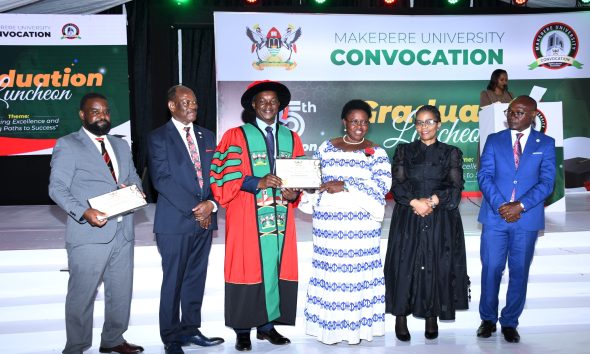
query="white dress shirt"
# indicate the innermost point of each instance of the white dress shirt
(262, 125)
(180, 127)
(523, 138)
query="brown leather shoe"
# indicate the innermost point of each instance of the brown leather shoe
(123, 348)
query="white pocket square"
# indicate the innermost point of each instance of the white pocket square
(538, 153)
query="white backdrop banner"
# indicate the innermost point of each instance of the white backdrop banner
(315, 47)
(398, 63)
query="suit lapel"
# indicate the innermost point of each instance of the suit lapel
(94, 154)
(531, 146)
(506, 149)
(178, 143)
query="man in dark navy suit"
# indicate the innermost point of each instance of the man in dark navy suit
(180, 155)
(516, 175)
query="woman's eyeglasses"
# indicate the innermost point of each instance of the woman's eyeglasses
(425, 123)
(364, 123)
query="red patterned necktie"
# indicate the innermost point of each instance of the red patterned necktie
(107, 158)
(194, 152)
(517, 152)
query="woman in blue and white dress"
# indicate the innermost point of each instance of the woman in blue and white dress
(346, 291)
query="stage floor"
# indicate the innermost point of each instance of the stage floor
(556, 318)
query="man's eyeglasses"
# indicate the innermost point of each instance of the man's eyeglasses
(364, 123)
(518, 115)
(427, 123)
(188, 103)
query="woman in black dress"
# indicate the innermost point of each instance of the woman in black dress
(425, 267)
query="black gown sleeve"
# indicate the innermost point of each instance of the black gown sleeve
(401, 188)
(449, 191)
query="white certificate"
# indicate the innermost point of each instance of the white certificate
(121, 201)
(299, 173)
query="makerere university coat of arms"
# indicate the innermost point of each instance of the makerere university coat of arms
(274, 49)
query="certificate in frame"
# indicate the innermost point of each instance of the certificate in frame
(122, 201)
(299, 173)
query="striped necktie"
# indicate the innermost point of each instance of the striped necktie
(107, 158)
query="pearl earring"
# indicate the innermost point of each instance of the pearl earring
(344, 129)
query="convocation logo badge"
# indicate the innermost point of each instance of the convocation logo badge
(275, 49)
(70, 31)
(555, 46)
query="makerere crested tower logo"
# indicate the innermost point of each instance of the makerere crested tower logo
(555, 46)
(275, 49)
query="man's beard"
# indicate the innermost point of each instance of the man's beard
(97, 129)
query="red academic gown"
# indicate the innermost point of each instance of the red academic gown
(261, 248)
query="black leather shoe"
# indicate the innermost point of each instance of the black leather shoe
(431, 328)
(200, 340)
(486, 328)
(173, 348)
(511, 334)
(243, 343)
(123, 348)
(401, 329)
(273, 336)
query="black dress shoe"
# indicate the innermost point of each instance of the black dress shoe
(123, 348)
(510, 334)
(243, 342)
(401, 329)
(273, 336)
(486, 328)
(173, 348)
(431, 328)
(200, 340)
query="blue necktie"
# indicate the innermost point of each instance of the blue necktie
(270, 146)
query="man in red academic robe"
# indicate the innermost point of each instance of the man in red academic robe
(261, 247)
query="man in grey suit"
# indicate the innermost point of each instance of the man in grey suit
(85, 164)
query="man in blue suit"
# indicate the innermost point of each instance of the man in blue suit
(516, 175)
(86, 164)
(180, 154)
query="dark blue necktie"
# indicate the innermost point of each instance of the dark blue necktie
(270, 146)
